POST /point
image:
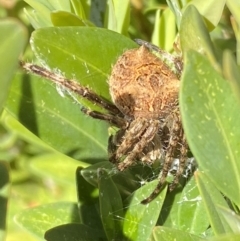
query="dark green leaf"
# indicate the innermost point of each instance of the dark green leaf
(74, 232)
(111, 208)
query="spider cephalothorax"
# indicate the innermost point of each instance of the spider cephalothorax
(145, 95)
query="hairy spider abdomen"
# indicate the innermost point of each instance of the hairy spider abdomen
(141, 85)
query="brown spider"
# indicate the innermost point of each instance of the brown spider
(145, 95)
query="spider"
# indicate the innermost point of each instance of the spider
(145, 95)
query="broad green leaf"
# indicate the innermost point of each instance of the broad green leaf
(86, 53)
(39, 219)
(194, 34)
(63, 18)
(11, 46)
(191, 216)
(205, 8)
(74, 232)
(211, 198)
(4, 194)
(167, 234)
(139, 219)
(111, 208)
(56, 120)
(211, 117)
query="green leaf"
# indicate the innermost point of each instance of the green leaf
(118, 16)
(194, 34)
(140, 219)
(234, 6)
(231, 72)
(164, 32)
(63, 18)
(232, 218)
(167, 234)
(211, 117)
(205, 8)
(52, 166)
(191, 213)
(88, 202)
(127, 182)
(111, 208)
(211, 198)
(4, 193)
(11, 47)
(80, 8)
(228, 237)
(75, 47)
(40, 17)
(39, 219)
(56, 120)
(73, 232)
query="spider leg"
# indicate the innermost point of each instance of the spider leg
(136, 129)
(146, 137)
(113, 120)
(174, 139)
(182, 162)
(71, 85)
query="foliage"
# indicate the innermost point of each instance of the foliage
(55, 143)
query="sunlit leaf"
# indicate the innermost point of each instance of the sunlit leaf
(211, 118)
(211, 198)
(194, 34)
(39, 219)
(167, 234)
(56, 120)
(140, 219)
